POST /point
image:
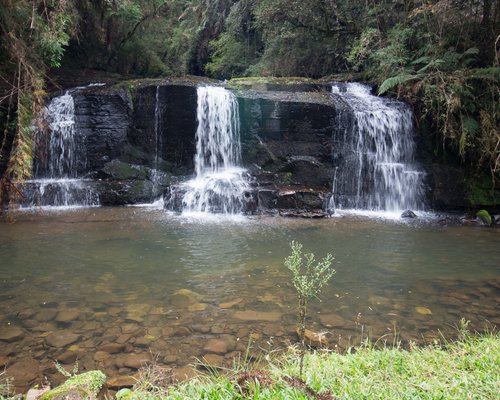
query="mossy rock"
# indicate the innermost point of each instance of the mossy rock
(82, 386)
(484, 216)
(121, 170)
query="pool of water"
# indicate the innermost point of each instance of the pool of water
(112, 287)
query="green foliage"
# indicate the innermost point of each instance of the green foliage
(468, 368)
(308, 277)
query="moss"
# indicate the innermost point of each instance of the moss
(87, 384)
(480, 192)
(262, 82)
(121, 170)
(484, 216)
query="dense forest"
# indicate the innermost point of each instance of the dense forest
(441, 56)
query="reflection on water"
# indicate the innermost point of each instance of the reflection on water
(101, 285)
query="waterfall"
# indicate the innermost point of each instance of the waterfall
(377, 170)
(220, 183)
(60, 157)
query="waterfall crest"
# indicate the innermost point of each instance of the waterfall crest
(378, 171)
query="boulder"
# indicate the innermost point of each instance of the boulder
(408, 214)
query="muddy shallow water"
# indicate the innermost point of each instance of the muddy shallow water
(112, 287)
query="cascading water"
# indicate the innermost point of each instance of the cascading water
(219, 184)
(57, 182)
(377, 171)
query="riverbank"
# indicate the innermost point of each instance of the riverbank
(468, 368)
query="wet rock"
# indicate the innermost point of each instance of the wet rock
(101, 356)
(314, 339)
(423, 310)
(3, 361)
(250, 315)
(184, 298)
(303, 214)
(300, 200)
(45, 315)
(68, 357)
(143, 342)
(170, 359)
(24, 371)
(181, 331)
(119, 382)
(136, 361)
(183, 373)
(67, 316)
(273, 330)
(332, 321)
(112, 348)
(11, 334)
(27, 313)
(217, 329)
(122, 171)
(61, 339)
(124, 338)
(217, 346)
(129, 328)
(44, 327)
(408, 214)
(213, 360)
(230, 304)
(197, 307)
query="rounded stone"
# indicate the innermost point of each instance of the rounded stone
(61, 339)
(250, 315)
(184, 298)
(217, 346)
(136, 361)
(112, 348)
(24, 371)
(119, 382)
(101, 356)
(67, 316)
(11, 334)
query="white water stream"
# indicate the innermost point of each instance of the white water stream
(56, 182)
(382, 174)
(220, 183)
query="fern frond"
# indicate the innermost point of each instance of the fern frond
(491, 73)
(394, 81)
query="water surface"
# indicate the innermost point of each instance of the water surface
(108, 276)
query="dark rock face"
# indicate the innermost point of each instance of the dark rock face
(138, 142)
(102, 121)
(133, 143)
(163, 126)
(286, 145)
(447, 189)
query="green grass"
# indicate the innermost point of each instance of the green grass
(467, 369)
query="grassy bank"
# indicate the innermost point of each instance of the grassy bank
(466, 369)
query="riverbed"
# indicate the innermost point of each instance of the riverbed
(115, 287)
